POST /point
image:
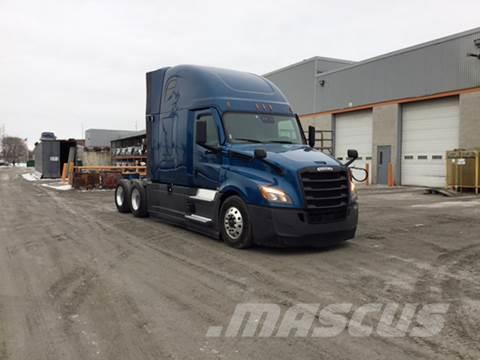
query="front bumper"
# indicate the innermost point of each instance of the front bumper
(289, 227)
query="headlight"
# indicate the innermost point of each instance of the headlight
(275, 195)
(353, 187)
(353, 191)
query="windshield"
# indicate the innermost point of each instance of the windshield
(262, 128)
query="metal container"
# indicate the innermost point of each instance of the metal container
(50, 155)
(47, 158)
(463, 170)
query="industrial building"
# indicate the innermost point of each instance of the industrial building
(130, 150)
(102, 138)
(97, 145)
(407, 107)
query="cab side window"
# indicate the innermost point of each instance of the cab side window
(287, 130)
(212, 133)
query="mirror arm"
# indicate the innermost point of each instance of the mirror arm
(350, 162)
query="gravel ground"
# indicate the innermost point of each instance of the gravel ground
(78, 280)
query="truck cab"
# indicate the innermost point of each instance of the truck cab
(228, 157)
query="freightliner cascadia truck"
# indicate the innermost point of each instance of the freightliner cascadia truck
(227, 157)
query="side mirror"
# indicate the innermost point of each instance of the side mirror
(311, 136)
(260, 154)
(352, 155)
(201, 132)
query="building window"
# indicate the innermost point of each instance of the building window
(422, 157)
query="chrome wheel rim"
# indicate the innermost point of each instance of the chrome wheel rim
(120, 196)
(233, 222)
(135, 199)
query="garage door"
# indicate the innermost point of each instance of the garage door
(429, 129)
(354, 131)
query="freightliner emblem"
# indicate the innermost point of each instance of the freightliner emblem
(324, 169)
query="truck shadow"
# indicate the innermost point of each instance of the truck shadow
(300, 250)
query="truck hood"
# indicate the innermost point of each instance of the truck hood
(289, 156)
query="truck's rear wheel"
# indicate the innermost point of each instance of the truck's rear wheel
(122, 196)
(138, 200)
(235, 224)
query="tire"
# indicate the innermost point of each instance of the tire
(138, 200)
(235, 225)
(122, 196)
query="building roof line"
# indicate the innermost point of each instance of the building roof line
(136, 134)
(404, 100)
(110, 130)
(404, 50)
(313, 58)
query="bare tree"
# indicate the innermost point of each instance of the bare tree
(14, 149)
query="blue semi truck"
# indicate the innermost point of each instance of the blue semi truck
(227, 157)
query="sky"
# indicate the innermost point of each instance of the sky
(67, 66)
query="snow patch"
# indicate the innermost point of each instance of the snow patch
(58, 186)
(448, 204)
(37, 176)
(31, 177)
(94, 190)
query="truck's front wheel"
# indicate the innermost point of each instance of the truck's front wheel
(235, 224)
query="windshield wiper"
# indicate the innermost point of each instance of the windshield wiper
(279, 141)
(249, 140)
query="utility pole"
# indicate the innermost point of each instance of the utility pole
(2, 136)
(25, 143)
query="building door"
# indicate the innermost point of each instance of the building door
(429, 129)
(353, 130)
(383, 159)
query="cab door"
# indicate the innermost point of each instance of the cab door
(207, 158)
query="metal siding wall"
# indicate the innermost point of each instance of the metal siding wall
(103, 138)
(297, 83)
(433, 69)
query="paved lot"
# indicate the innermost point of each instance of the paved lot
(80, 281)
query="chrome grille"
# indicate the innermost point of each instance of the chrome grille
(326, 194)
